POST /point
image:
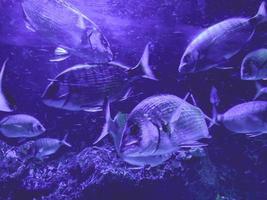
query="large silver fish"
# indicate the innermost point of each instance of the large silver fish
(21, 125)
(5, 105)
(217, 44)
(85, 87)
(156, 127)
(254, 65)
(249, 118)
(47, 146)
(66, 28)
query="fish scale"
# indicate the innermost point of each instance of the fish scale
(67, 30)
(86, 87)
(146, 138)
(161, 109)
(254, 65)
(157, 107)
(213, 47)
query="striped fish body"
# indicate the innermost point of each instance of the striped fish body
(56, 20)
(46, 146)
(220, 42)
(214, 46)
(85, 87)
(250, 118)
(63, 25)
(150, 125)
(254, 65)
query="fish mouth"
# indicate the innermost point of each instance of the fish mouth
(129, 149)
(247, 77)
(185, 68)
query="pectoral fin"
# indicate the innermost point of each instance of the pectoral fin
(59, 58)
(91, 109)
(192, 144)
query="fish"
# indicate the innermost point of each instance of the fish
(158, 126)
(67, 29)
(213, 47)
(254, 65)
(45, 147)
(5, 104)
(21, 126)
(249, 118)
(86, 87)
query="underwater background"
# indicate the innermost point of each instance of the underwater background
(231, 167)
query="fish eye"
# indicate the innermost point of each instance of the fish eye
(187, 58)
(39, 127)
(134, 130)
(104, 41)
(249, 67)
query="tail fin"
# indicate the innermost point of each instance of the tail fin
(105, 128)
(212, 121)
(261, 15)
(214, 100)
(143, 66)
(64, 141)
(260, 90)
(4, 104)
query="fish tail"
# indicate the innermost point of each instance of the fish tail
(143, 68)
(64, 141)
(261, 15)
(260, 90)
(5, 105)
(105, 129)
(214, 100)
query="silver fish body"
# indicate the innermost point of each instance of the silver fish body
(84, 87)
(160, 125)
(217, 44)
(65, 26)
(47, 146)
(21, 125)
(254, 65)
(248, 118)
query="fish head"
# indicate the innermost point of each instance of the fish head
(57, 95)
(249, 70)
(37, 128)
(95, 47)
(139, 139)
(189, 62)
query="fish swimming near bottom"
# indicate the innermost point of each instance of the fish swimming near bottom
(21, 125)
(47, 146)
(249, 118)
(254, 65)
(156, 127)
(86, 87)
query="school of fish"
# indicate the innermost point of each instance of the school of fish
(159, 125)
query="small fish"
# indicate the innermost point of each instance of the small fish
(156, 127)
(21, 125)
(249, 118)
(85, 87)
(47, 146)
(254, 65)
(5, 105)
(217, 44)
(67, 29)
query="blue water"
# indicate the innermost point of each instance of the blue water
(239, 162)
